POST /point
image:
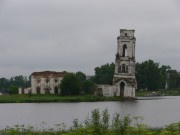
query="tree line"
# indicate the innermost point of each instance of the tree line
(149, 75)
(12, 85)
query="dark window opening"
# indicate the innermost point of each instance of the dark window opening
(126, 69)
(38, 89)
(55, 80)
(119, 69)
(122, 85)
(123, 68)
(124, 50)
(56, 90)
(47, 80)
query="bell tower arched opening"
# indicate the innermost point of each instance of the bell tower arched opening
(122, 87)
(124, 50)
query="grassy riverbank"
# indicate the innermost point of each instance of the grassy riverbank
(173, 92)
(98, 124)
(54, 98)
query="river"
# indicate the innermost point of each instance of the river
(156, 112)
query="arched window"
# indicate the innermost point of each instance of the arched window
(38, 90)
(124, 50)
(55, 90)
(126, 69)
(122, 88)
(47, 80)
(123, 68)
(119, 69)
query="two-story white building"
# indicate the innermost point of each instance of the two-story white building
(46, 82)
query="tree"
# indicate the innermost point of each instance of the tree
(81, 76)
(148, 75)
(172, 79)
(89, 87)
(13, 89)
(104, 74)
(70, 85)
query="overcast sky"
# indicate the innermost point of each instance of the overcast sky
(78, 35)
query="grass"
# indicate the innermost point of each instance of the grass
(54, 98)
(170, 92)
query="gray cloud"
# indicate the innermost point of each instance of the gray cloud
(80, 35)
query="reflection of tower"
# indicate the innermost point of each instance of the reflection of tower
(124, 76)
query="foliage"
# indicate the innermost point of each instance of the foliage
(104, 74)
(147, 75)
(17, 81)
(81, 76)
(89, 87)
(151, 76)
(86, 86)
(13, 89)
(98, 124)
(70, 85)
(173, 79)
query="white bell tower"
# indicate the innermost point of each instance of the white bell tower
(124, 76)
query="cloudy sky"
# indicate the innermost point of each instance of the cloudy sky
(78, 35)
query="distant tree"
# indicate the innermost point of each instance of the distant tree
(178, 81)
(173, 79)
(148, 75)
(81, 76)
(13, 89)
(89, 87)
(104, 74)
(4, 83)
(70, 85)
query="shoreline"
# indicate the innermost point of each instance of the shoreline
(58, 99)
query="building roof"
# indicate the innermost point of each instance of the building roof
(46, 74)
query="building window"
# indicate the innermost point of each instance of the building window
(123, 68)
(38, 80)
(126, 69)
(47, 80)
(124, 50)
(55, 80)
(125, 34)
(38, 90)
(119, 69)
(55, 90)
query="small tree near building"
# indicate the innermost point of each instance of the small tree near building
(70, 85)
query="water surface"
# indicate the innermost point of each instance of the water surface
(156, 112)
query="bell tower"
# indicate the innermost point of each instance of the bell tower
(124, 76)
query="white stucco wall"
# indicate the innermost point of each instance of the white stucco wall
(43, 84)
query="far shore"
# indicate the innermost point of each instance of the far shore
(57, 98)
(82, 98)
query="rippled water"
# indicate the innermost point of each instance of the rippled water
(156, 112)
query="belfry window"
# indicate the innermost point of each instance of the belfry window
(123, 68)
(119, 69)
(124, 50)
(126, 69)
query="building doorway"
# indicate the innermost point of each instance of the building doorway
(56, 90)
(122, 85)
(38, 90)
